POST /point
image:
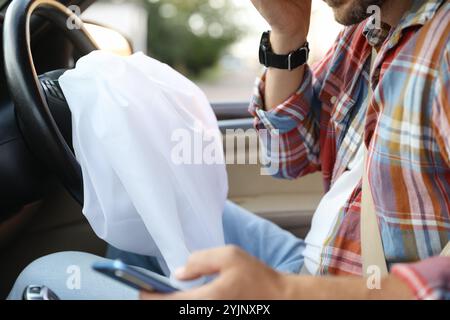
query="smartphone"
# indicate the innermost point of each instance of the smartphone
(142, 280)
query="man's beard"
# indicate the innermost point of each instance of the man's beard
(352, 11)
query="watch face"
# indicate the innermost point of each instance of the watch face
(264, 48)
(265, 40)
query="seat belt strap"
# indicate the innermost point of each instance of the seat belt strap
(372, 251)
(446, 251)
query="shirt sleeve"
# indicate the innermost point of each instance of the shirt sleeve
(291, 131)
(428, 279)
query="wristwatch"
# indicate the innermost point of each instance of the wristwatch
(289, 62)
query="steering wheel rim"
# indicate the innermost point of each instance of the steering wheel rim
(38, 127)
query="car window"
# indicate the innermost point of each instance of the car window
(213, 42)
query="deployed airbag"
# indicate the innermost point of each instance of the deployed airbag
(126, 112)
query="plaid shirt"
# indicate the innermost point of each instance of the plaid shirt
(406, 128)
(428, 279)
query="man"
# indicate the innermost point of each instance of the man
(323, 118)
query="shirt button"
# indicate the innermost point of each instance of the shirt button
(333, 99)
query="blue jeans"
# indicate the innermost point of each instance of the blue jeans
(264, 240)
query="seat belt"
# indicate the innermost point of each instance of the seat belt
(372, 251)
(446, 251)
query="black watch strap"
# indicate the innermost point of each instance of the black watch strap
(290, 61)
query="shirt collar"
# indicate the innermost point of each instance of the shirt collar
(374, 35)
(419, 14)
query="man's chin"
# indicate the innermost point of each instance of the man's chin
(334, 4)
(350, 12)
(348, 20)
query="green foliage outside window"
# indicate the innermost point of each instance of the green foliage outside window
(190, 35)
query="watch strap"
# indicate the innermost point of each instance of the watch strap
(290, 61)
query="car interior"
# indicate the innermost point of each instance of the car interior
(41, 194)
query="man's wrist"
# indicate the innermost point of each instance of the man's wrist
(283, 44)
(293, 286)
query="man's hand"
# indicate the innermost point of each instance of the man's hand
(289, 20)
(242, 277)
(239, 277)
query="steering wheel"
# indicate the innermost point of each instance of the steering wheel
(35, 97)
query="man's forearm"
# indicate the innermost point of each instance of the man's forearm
(281, 84)
(344, 288)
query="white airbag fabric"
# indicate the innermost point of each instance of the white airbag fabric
(124, 113)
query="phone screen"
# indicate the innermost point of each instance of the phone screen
(136, 278)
